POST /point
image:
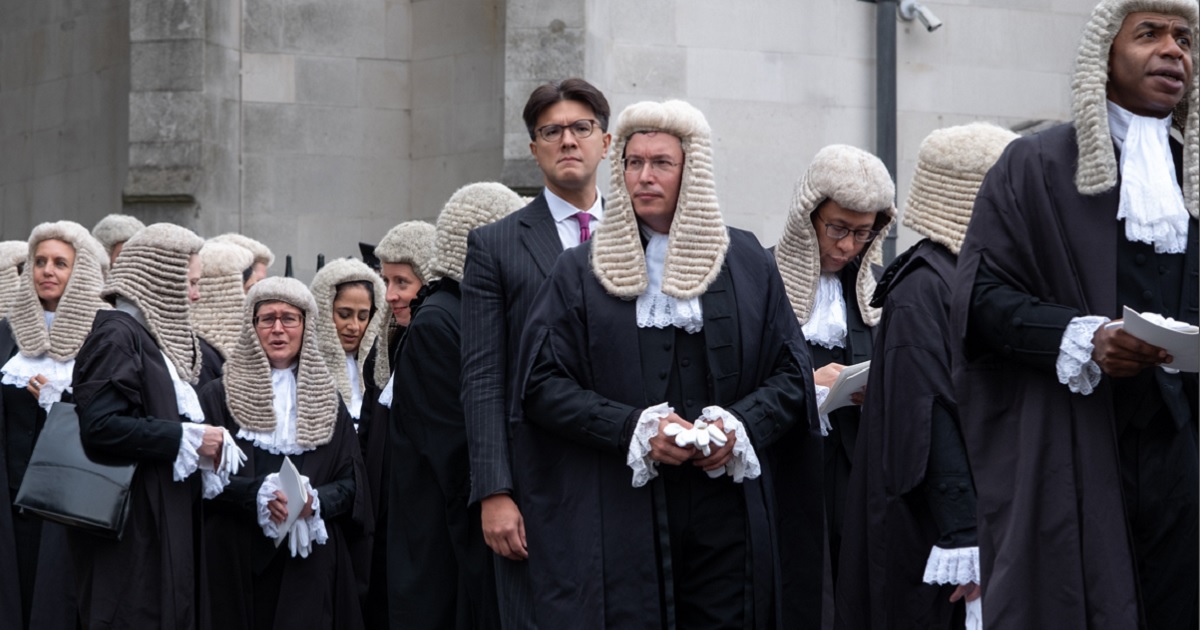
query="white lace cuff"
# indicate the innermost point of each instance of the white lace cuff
(1075, 366)
(216, 477)
(20, 369)
(952, 566)
(188, 458)
(822, 394)
(385, 396)
(266, 493)
(638, 459)
(744, 463)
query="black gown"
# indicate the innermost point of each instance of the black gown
(253, 583)
(839, 444)
(37, 585)
(372, 437)
(441, 565)
(127, 409)
(910, 488)
(594, 540)
(1075, 530)
(211, 364)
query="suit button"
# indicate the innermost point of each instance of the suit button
(689, 402)
(667, 347)
(1162, 271)
(1034, 300)
(1017, 322)
(1147, 295)
(942, 487)
(686, 363)
(1140, 259)
(662, 376)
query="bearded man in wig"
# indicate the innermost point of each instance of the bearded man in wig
(636, 516)
(1081, 438)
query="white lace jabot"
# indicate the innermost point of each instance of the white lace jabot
(655, 309)
(281, 441)
(1151, 202)
(826, 326)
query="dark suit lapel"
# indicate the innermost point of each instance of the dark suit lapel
(721, 336)
(540, 235)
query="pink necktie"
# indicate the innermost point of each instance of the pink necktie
(584, 219)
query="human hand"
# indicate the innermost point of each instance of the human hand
(970, 591)
(277, 508)
(826, 375)
(210, 444)
(663, 448)
(1120, 354)
(35, 385)
(504, 527)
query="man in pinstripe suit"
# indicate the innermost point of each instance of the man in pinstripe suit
(506, 264)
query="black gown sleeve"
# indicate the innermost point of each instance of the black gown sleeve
(949, 490)
(558, 403)
(1014, 324)
(337, 496)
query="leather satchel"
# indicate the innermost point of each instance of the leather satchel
(65, 485)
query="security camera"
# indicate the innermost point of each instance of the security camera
(910, 9)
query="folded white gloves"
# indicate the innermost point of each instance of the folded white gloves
(304, 532)
(703, 435)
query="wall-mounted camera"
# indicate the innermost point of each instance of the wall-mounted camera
(910, 9)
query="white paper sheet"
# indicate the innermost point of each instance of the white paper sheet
(1182, 344)
(293, 488)
(849, 382)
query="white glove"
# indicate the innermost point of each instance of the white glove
(299, 540)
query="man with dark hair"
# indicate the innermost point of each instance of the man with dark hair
(506, 263)
(1083, 449)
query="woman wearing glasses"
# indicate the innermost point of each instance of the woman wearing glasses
(280, 400)
(51, 308)
(830, 246)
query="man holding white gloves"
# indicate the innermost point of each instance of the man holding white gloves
(668, 321)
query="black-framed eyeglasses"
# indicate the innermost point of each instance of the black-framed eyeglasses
(580, 129)
(289, 320)
(839, 232)
(658, 165)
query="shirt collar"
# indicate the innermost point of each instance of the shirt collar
(561, 210)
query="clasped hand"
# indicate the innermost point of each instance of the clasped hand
(664, 449)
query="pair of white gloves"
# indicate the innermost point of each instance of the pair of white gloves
(703, 434)
(304, 532)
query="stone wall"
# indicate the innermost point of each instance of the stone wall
(64, 87)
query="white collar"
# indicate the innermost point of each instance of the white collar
(562, 210)
(826, 326)
(131, 309)
(49, 317)
(282, 440)
(1151, 202)
(655, 309)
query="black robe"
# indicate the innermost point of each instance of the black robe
(127, 409)
(839, 444)
(891, 522)
(592, 537)
(250, 578)
(41, 593)
(211, 364)
(1056, 545)
(442, 568)
(372, 438)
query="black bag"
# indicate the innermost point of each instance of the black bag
(63, 484)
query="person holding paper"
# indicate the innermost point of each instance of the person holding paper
(909, 550)
(1084, 449)
(831, 244)
(285, 561)
(51, 309)
(667, 449)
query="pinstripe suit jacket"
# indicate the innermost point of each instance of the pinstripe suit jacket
(506, 264)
